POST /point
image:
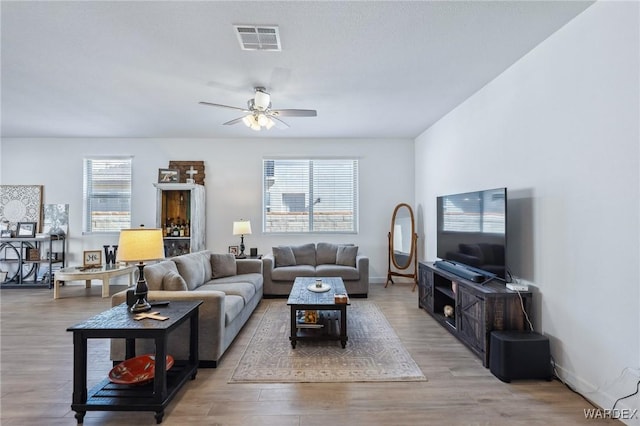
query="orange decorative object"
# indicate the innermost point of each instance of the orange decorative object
(135, 371)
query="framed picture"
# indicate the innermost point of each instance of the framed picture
(234, 250)
(168, 176)
(21, 203)
(92, 258)
(56, 219)
(5, 233)
(26, 229)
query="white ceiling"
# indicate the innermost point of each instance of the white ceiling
(371, 69)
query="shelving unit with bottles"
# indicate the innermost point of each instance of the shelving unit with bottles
(180, 212)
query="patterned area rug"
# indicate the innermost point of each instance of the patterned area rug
(374, 353)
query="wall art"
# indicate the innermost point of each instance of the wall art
(21, 203)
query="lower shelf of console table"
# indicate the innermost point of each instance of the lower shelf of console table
(107, 396)
(473, 310)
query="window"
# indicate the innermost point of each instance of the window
(310, 195)
(106, 194)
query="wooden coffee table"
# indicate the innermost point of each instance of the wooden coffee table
(118, 322)
(332, 324)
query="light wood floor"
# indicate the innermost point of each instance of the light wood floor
(36, 377)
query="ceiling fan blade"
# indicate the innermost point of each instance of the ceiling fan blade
(279, 123)
(234, 121)
(223, 106)
(294, 112)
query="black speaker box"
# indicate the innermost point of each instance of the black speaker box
(519, 355)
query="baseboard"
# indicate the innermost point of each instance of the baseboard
(606, 395)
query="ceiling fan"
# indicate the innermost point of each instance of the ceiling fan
(259, 113)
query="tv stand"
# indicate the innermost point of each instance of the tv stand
(460, 271)
(478, 309)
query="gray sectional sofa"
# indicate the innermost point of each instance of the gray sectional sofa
(230, 289)
(281, 267)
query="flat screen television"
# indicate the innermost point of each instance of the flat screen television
(472, 230)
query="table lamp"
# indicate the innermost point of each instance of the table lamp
(242, 228)
(140, 245)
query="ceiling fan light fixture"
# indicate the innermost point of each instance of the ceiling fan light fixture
(262, 99)
(263, 119)
(258, 113)
(247, 120)
(270, 124)
(255, 126)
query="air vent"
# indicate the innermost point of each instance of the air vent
(252, 37)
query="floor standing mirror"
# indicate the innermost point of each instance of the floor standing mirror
(403, 259)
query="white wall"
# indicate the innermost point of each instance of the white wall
(233, 183)
(560, 130)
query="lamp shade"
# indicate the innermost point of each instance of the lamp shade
(242, 227)
(140, 244)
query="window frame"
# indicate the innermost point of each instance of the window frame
(88, 194)
(269, 171)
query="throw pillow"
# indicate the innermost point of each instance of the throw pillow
(154, 274)
(172, 281)
(223, 265)
(346, 255)
(283, 256)
(326, 253)
(305, 254)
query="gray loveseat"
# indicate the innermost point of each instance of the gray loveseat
(230, 289)
(281, 267)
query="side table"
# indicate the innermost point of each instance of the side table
(118, 322)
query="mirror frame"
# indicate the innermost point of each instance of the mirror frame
(413, 253)
(413, 240)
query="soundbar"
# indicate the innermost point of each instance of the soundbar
(460, 271)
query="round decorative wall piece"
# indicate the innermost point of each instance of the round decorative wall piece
(21, 203)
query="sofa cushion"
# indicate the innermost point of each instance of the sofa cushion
(195, 268)
(242, 289)
(346, 255)
(172, 281)
(347, 273)
(254, 279)
(326, 254)
(283, 256)
(223, 265)
(233, 305)
(155, 273)
(289, 273)
(305, 254)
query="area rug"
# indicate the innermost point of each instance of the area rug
(374, 353)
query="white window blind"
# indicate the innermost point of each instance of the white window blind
(310, 195)
(106, 194)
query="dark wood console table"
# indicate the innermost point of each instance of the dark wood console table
(477, 309)
(117, 322)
